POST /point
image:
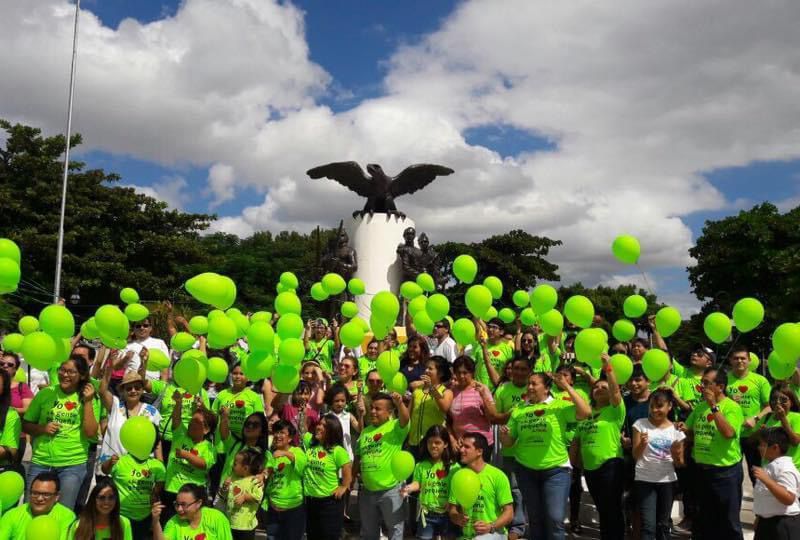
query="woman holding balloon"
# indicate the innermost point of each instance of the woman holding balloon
(10, 426)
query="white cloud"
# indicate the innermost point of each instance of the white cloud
(170, 189)
(641, 98)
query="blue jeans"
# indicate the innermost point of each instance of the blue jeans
(655, 506)
(719, 497)
(545, 495)
(377, 506)
(435, 525)
(71, 479)
(286, 524)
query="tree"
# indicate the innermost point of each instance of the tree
(608, 302)
(755, 253)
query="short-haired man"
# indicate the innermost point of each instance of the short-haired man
(492, 355)
(442, 344)
(380, 498)
(45, 491)
(494, 508)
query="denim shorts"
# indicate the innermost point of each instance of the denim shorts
(435, 525)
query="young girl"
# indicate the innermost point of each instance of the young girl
(193, 452)
(286, 514)
(100, 517)
(432, 479)
(347, 371)
(298, 411)
(337, 397)
(657, 449)
(242, 493)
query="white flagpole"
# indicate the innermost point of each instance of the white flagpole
(60, 251)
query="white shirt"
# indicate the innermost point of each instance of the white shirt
(136, 361)
(656, 464)
(116, 417)
(37, 376)
(344, 419)
(447, 348)
(783, 471)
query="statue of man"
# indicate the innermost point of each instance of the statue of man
(410, 256)
(342, 259)
(429, 260)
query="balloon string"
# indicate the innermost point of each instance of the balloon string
(646, 281)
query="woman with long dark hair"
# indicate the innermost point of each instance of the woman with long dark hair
(430, 403)
(10, 426)
(100, 517)
(284, 503)
(413, 362)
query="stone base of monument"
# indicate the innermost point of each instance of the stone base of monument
(375, 238)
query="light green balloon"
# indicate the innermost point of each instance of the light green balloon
(240, 320)
(466, 487)
(138, 436)
(129, 295)
(11, 487)
(380, 328)
(333, 284)
(57, 321)
(13, 342)
(779, 368)
(356, 287)
(157, 360)
(349, 309)
(668, 321)
(10, 274)
(10, 250)
(290, 326)
(527, 317)
(786, 341)
(655, 364)
(398, 383)
(622, 366)
(198, 325)
(717, 327)
(463, 331)
(623, 330)
(479, 300)
(552, 322)
(288, 302)
(89, 329)
(39, 350)
(747, 314)
(423, 323)
(755, 361)
(261, 337)
(465, 268)
(181, 342)
(198, 356)
(112, 322)
(387, 364)
(189, 374)
(626, 249)
(258, 365)
(217, 370)
(136, 312)
(28, 324)
(259, 316)
(222, 332)
(402, 465)
(385, 307)
(351, 334)
(589, 345)
(318, 292)
(410, 290)
(520, 298)
(213, 289)
(437, 307)
(579, 310)
(417, 304)
(543, 298)
(495, 286)
(507, 315)
(291, 351)
(285, 378)
(425, 281)
(634, 306)
(289, 280)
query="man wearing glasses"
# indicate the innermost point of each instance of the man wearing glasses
(143, 339)
(442, 344)
(43, 501)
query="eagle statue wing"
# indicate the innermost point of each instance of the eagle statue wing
(416, 177)
(348, 173)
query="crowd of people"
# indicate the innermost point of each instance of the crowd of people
(516, 408)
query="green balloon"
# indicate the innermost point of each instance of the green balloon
(349, 309)
(410, 290)
(779, 368)
(289, 280)
(290, 326)
(113, 342)
(385, 307)
(479, 300)
(579, 310)
(520, 298)
(291, 351)
(13, 342)
(333, 284)
(463, 331)
(261, 337)
(717, 327)
(189, 374)
(39, 350)
(157, 360)
(279, 288)
(217, 370)
(129, 296)
(589, 345)
(466, 487)
(417, 304)
(623, 330)
(437, 307)
(465, 268)
(543, 298)
(198, 356)
(214, 313)
(240, 320)
(44, 526)
(356, 287)
(136, 312)
(138, 437)
(786, 341)
(425, 281)
(351, 334)
(10, 274)
(260, 316)
(285, 378)
(495, 286)
(398, 383)
(258, 365)
(318, 292)
(388, 364)
(668, 321)
(112, 322)
(634, 306)
(181, 342)
(222, 332)
(11, 487)
(380, 328)
(527, 317)
(288, 302)
(63, 350)
(626, 249)
(755, 361)
(213, 289)
(89, 329)
(507, 315)
(747, 314)
(10, 250)
(423, 323)
(622, 367)
(28, 324)
(361, 322)
(402, 465)
(490, 314)
(198, 325)
(552, 322)
(57, 321)
(655, 364)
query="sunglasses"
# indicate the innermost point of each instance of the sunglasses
(134, 388)
(8, 364)
(527, 341)
(438, 326)
(141, 326)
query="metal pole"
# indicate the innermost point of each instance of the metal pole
(60, 250)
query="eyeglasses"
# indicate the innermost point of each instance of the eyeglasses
(438, 326)
(179, 505)
(67, 372)
(134, 388)
(8, 364)
(252, 424)
(106, 498)
(141, 326)
(42, 495)
(526, 341)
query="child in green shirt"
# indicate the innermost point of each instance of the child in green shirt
(243, 491)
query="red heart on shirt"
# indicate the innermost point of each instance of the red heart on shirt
(237, 490)
(281, 466)
(187, 395)
(239, 403)
(742, 389)
(193, 452)
(566, 398)
(201, 536)
(145, 473)
(377, 437)
(441, 473)
(699, 388)
(69, 405)
(321, 455)
(709, 417)
(538, 412)
(495, 353)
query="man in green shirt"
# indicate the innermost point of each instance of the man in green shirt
(45, 491)
(494, 508)
(492, 354)
(321, 348)
(380, 498)
(714, 426)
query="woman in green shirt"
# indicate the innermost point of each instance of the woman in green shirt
(10, 425)
(286, 513)
(193, 519)
(100, 518)
(537, 432)
(784, 413)
(600, 450)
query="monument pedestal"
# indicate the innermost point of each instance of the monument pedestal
(375, 239)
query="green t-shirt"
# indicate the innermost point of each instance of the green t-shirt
(771, 421)
(321, 476)
(285, 485)
(165, 390)
(710, 447)
(240, 405)
(561, 395)
(179, 470)
(506, 397)
(540, 433)
(690, 388)
(434, 484)
(548, 360)
(751, 392)
(9, 436)
(495, 494)
(600, 436)
(135, 481)
(14, 523)
(499, 354)
(581, 382)
(69, 446)
(679, 369)
(322, 352)
(213, 525)
(243, 516)
(365, 365)
(105, 532)
(376, 446)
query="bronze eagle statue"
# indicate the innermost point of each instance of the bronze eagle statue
(379, 189)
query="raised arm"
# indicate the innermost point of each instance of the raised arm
(613, 388)
(106, 397)
(582, 409)
(402, 411)
(177, 411)
(89, 425)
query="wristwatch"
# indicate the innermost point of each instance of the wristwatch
(715, 409)
(492, 530)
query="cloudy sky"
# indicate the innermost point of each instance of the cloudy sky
(576, 120)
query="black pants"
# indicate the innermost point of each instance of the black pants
(751, 455)
(166, 447)
(215, 476)
(655, 506)
(778, 528)
(324, 518)
(286, 524)
(719, 497)
(606, 485)
(575, 492)
(687, 480)
(141, 528)
(168, 499)
(243, 535)
(83, 493)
